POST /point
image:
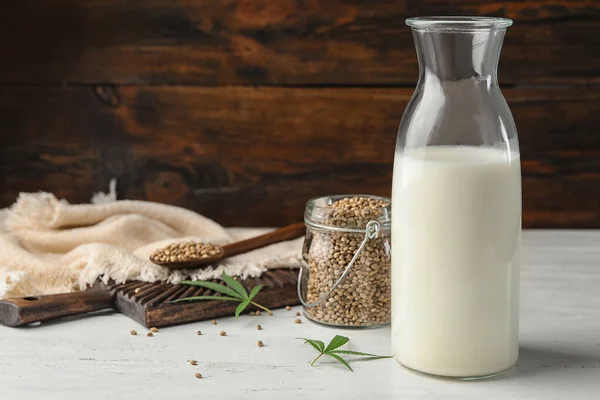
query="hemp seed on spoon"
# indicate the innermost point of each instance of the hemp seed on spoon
(185, 251)
(192, 255)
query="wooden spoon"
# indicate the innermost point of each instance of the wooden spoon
(280, 235)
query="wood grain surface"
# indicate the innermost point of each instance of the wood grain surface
(277, 41)
(250, 156)
(244, 109)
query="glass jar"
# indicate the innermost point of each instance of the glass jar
(345, 274)
(457, 207)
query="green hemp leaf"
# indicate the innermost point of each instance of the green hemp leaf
(234, 291)
(332, 350)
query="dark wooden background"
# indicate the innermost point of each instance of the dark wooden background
(244, 109)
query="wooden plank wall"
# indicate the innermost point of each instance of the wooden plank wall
(244, 109)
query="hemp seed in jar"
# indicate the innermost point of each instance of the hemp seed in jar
(345, 277)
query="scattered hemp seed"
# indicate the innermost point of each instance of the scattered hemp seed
(270, 313)
(150, 334)
(213, 322)
(298, 314)
(199, 333)
(132, 332)
(154, 330)
(136, 291)
(198, 375)
(259, 327)
(260, 343)
(252, 313)
(223, 333)
(297, 321)
(193, 362)
(257, 313)
(288, 308)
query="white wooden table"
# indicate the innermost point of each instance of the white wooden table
(96, 357)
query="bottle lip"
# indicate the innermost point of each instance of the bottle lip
(458, 23)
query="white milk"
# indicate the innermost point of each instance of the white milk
(456, 231)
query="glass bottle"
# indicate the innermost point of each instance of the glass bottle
(456, 207)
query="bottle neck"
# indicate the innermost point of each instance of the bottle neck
(458, 55)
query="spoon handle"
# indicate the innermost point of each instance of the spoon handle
(280, 235)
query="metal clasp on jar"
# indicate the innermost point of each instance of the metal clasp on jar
(371, 232)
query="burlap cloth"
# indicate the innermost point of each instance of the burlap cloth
(50, 246)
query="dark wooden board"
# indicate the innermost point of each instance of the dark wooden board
(150, 304)
(277, 41)
(32, 309)
(279, 291)
(253, 156)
